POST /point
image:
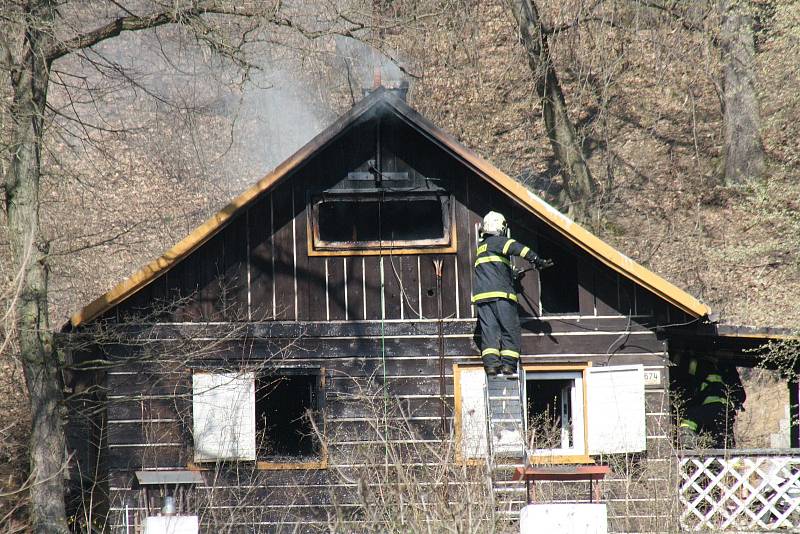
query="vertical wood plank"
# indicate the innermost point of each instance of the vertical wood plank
(428, 283)
(183, 279)
(465, 246)
(307, 280)
(262, 277)
(645, 302)
(283, 247)
(627, 297)
(372, 285)
(391, 289)
(355, 292)
(409, 274)
(336, 288)
(310, 271)
(662, 311)
(233, 301)
(448, 286)
(585, 288)
(606, 285)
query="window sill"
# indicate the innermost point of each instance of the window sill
(285, 466)
(546, 459)
(386, 251)
(265, 465)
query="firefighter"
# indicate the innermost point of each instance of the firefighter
(495, 297)
(717, 395)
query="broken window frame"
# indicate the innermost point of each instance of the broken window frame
(266, 463)
(319, 247)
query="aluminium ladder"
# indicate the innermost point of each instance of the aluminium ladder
(506, 430)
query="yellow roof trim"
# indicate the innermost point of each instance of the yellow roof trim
(567, 227)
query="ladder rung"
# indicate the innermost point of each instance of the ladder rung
(517, 421)
(505, 397)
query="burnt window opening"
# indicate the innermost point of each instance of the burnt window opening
(382, 221)
(285, 406)
(559, 285)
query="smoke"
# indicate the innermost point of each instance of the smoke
(197, 117)
(360, 61)
(276, 112)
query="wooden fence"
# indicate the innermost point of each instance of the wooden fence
(755, 490)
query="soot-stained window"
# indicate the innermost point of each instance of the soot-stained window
(372, 222)
(285, 406)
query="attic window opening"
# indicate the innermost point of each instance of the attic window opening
(378, 221)
(559, 286)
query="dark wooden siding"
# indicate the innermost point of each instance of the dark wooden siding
(149, 404)
(258, 267)
(253, 293)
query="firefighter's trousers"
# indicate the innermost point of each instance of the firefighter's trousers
(501, 335)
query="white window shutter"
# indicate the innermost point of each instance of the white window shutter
(223, 413)
(616, 409)
(473, 412)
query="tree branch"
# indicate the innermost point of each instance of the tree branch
(136, 23)
(680, 17)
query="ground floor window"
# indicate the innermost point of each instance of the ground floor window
(263, 416)
(555, 412)
(566, 413)
(286, 404)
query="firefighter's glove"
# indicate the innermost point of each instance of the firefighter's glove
(541, 263)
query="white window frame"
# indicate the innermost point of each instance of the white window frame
(577, 416)
(577, 419)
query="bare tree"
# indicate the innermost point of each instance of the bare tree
(743, 149)
(579, 186)
(33, 36)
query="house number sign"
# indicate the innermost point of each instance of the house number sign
(652, 378)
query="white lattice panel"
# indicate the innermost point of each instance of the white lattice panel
(740, 493)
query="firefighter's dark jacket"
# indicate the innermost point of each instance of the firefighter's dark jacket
(494, 277)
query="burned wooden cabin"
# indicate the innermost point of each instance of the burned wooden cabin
(340, 279)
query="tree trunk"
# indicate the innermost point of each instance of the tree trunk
(579, 185)
(743, 152)
(30, 79)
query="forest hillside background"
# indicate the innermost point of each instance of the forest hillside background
(149, 134)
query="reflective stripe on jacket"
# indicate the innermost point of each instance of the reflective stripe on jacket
(494, 277)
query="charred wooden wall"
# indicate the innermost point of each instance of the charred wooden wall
(253, 293)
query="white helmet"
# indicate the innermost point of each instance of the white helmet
(494, 224)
